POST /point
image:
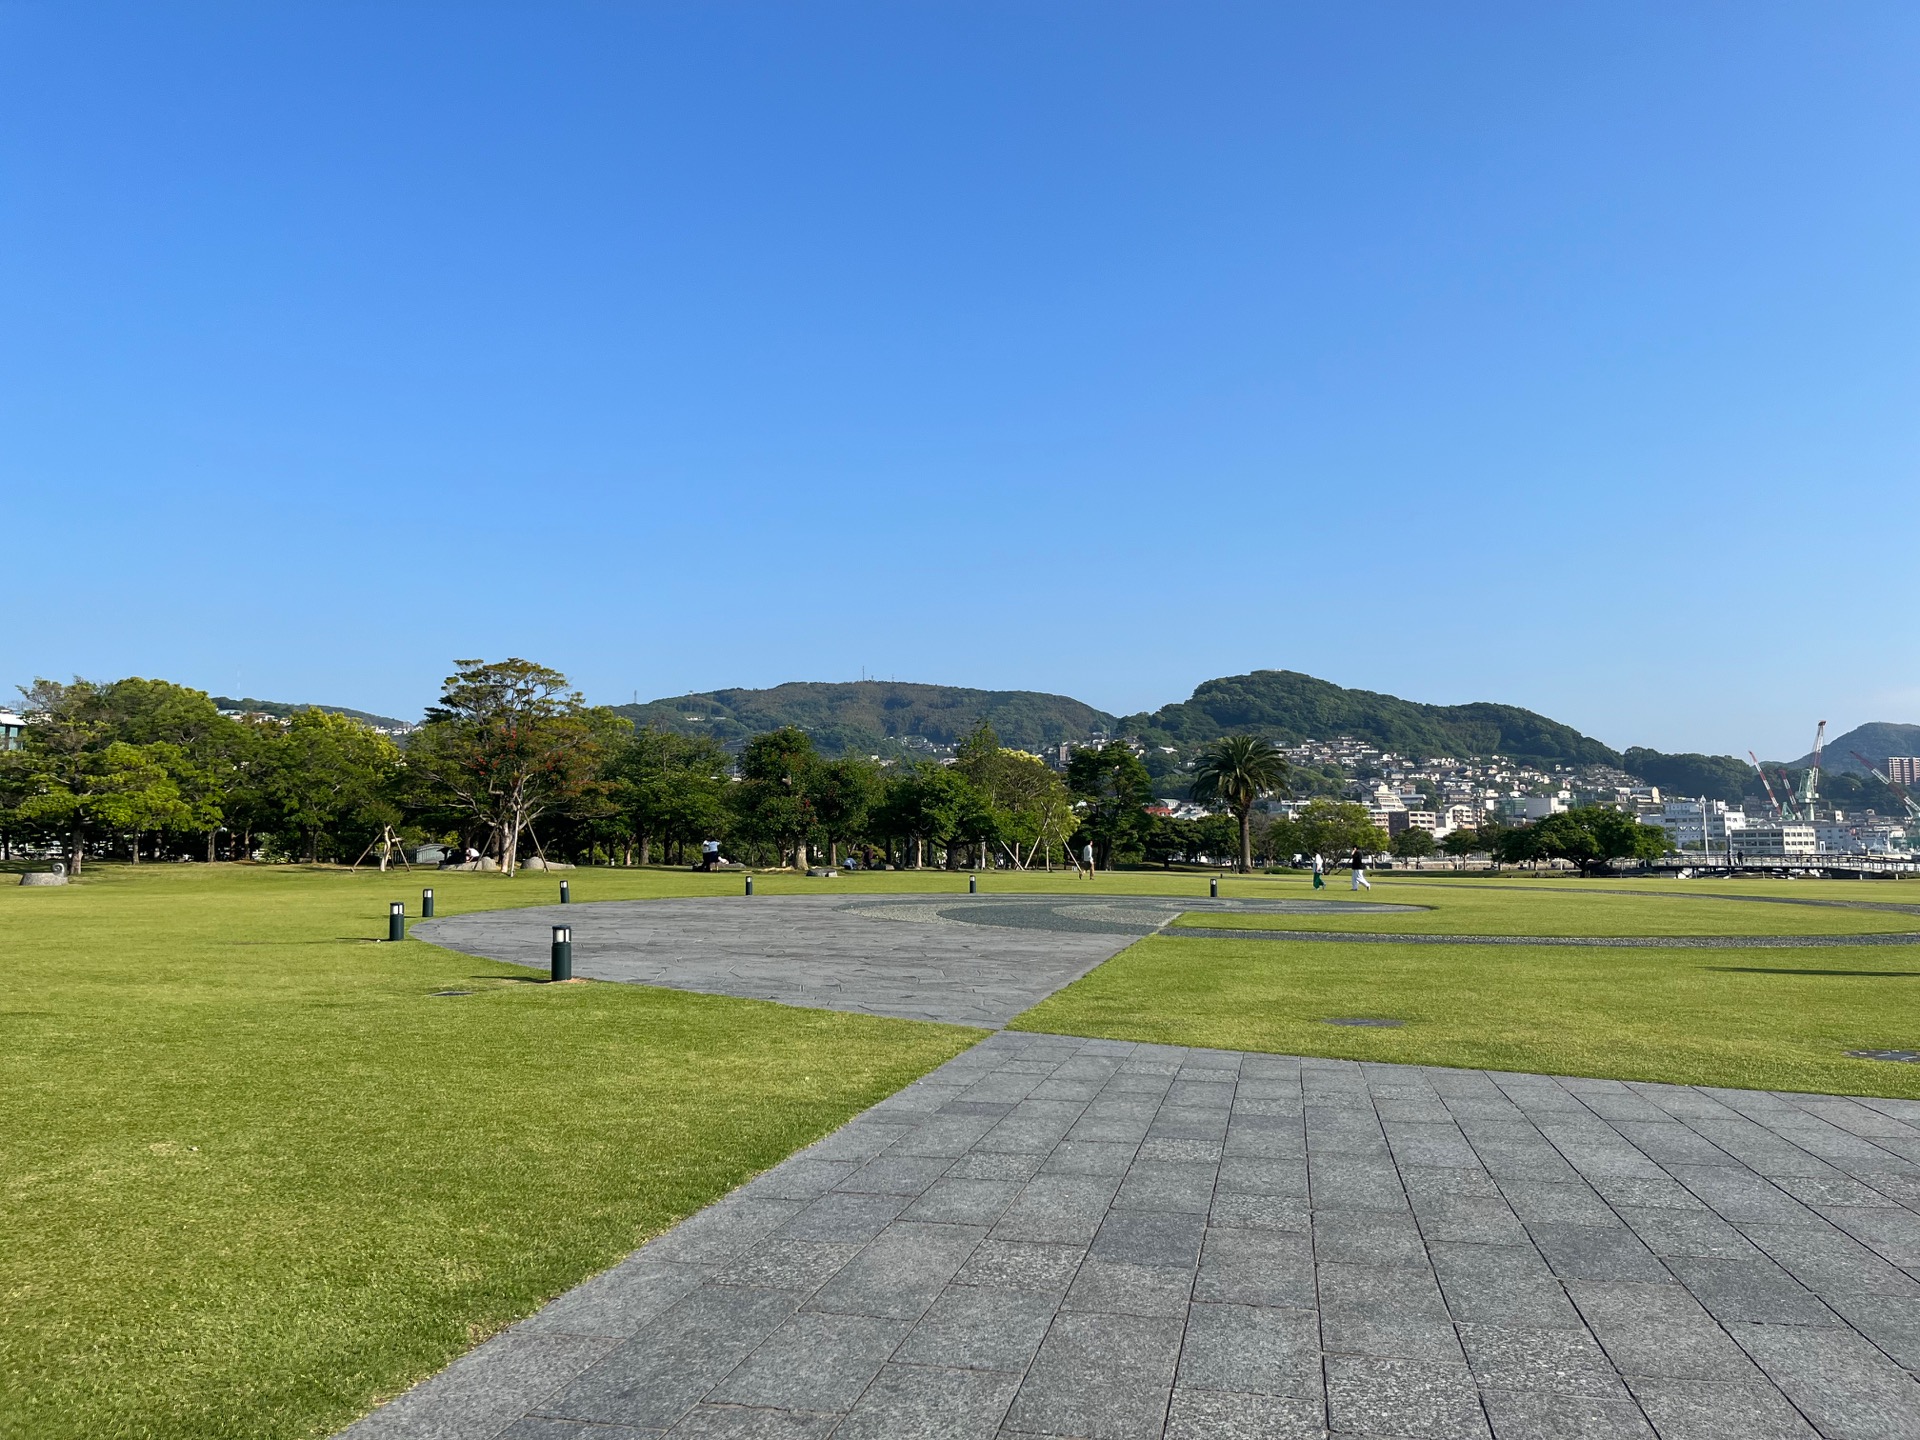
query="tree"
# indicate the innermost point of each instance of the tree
(1462, 842)
(670, 787)
(775, 799)
(844, 792)
(1593, 837)
(1031, 808)
(1327, 828)
(329, 773)
(1413, 843)
(509, 741)
(1239, 771)
(1113, 790)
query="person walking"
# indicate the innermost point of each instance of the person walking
(1319, 871)
(1086, 858)
(1360, 881)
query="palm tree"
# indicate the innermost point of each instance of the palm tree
(1239, 771)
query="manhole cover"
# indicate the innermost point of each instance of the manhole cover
(1366, 1020)
(449, 992)
(1912, 1057)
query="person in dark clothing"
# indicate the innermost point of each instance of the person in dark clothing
(1360, 881)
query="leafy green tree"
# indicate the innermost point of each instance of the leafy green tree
(775, 799)
(671, 788)
(1112, 790)
(509, 741)
(1413, 843)
(844, 794)
(1031, 807)
(1462, 842)
(1239, 771)
(1593, 837)
(332, 778)
(1331, 829)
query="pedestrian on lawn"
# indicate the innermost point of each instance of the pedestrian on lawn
(1319, 871)
(1360, 881)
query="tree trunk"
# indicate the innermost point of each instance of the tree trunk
(211, 836)
(800, 856)
(919, 852)
(76, 851)
(1246, 842)
(313, 847)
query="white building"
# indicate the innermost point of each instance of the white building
(1684, 821)
(1530, 807)
(1788, 838)
(10, 727)
(1861, 838)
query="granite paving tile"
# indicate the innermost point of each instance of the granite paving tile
(1052, 1237)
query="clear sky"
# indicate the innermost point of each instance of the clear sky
(1563, 355)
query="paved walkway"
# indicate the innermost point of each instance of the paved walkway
(1061, 1237)
(966, 959)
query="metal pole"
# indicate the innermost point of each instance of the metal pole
(562, 967)
(973, 884)
(426, 903)
(565, 896)
(397, 921)
(1213, 888)
(749, 884)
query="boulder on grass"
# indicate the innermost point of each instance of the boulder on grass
(536, 863)
(55, 876)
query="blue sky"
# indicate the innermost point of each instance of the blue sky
(1558, 355)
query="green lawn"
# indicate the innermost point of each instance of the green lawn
(255, 1176)
(1774, 1018)
(1568, 906)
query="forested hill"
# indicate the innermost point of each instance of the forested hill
(874, 716)
(1288, 706)
(1876, 740)
(284, 708)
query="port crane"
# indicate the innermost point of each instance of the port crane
(1900, 791)
(1810, 782)
(1767, 785)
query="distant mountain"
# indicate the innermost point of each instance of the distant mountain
(874, 716)
(1286, 705)
(283, 708)
(1876, 740)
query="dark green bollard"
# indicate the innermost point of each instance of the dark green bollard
(973, 884)
(1213, 888)
(562, 953)
(396, 921)
(426, 903)
(749, 884)
(565, 895)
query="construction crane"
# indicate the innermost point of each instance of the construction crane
(1810, 782)
(1767, 785)
(1899, 791)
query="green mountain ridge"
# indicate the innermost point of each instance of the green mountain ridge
(1286, 705)
(875, 716)
(1876, 740)
(284, 708)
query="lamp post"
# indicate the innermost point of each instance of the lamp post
(426, 903)
(562, 965)
(397, 921)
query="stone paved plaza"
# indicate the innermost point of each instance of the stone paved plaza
(1061, 1237)
(966, 960)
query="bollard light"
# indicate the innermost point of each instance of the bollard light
(1213, 887)
(566, 896)
(397, 921)
(562, 968)
(973, 884)
(426, 903)
(749, 884)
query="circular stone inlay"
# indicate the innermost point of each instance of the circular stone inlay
(1911, 1057)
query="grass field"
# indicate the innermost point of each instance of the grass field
(254, 1175)
(1772, 1018)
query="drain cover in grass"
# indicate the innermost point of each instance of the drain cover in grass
(1367, 1021)
(1910, 1056)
